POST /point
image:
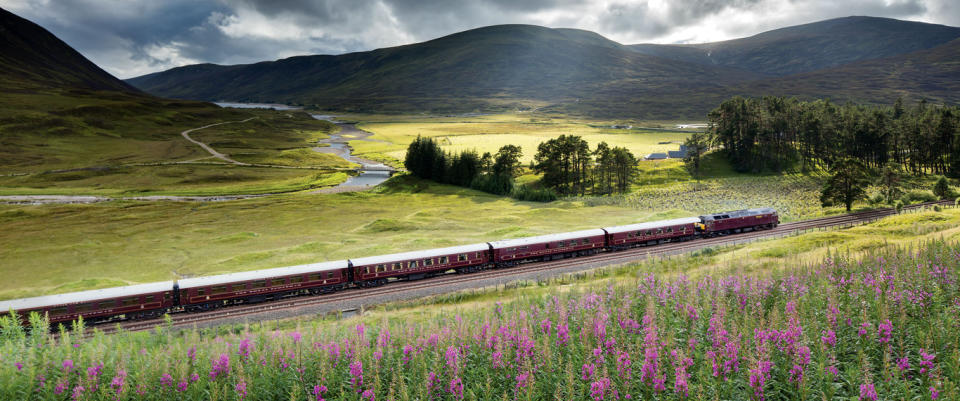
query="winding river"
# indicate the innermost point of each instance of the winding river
(371, 174)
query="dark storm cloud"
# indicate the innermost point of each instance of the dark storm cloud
(133, 37)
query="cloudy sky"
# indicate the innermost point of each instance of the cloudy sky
(133, 37)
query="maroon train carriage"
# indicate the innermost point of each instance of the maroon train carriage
(739, 221)
(547, 247)
(377, 270)
(652, 233)
(98, 306)
(210, 292)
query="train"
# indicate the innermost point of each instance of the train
(198, 294)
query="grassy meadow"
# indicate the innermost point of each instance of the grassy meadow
(128, 146)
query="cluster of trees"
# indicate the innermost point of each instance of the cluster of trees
(774, 133)
(492, 173)
(849, 179)
(567, 164)
(569, 167)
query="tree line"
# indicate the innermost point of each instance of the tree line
(567, 166)
(775, 133)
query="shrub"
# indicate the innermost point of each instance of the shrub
(918, 195)
(942, 188)
(526, 193)
(898, 205)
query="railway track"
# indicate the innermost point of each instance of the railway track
(473, 279)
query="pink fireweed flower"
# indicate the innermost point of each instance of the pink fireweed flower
(523, 380)
(832, 370)
(67, 365)
(19, 366)
(456, 388)
(368, 395)
(295, 336)
(623, 365)
(586, 372)
(829, 338)
(117, 383)
(601, 388)
(182, 386)
(926, 362)
(192, 353)
(245, 348)
(77, 392)
(680, 366)
(166, 380)
(61, 387)
(94, 371)
(545, 326)
(241, 389)
(453, 359)
(383, 339)
(563, 334)
(220, 366)
(759, 377)
(194, 377)
(864, 329)
(884, 331)
(934, 394)
(318, 391)
(867, 392)
(903, 364)
(356, 371)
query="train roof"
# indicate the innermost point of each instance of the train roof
(738, 213)
(546, 238)
(426, 253)
(261, 274)
(85, 296)
(652, 224)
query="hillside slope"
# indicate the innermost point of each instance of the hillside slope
(814, 46)
(32, 57)
(932, 74)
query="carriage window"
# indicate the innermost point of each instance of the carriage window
(670, 230)
(683, 229)
(478, 253)
(585, 241)
(659, 231)
(107, 304)
(277, 281)
(330, 275)
(129, 302)
(412, 264)
(200, 292)
(316, 277)
(239, 287)
(428, 262)
(367, 269)
(149, 298)
(219, 290)
(58, 311)
(295, 280)
(560, 245)
(461, 257)
(397, 266)
(83, 308)
(649, 232)
(260, 284)
(381, 268)
(444, 260)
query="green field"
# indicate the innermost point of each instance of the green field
(86, 246)
(488, 133)
(116, 144)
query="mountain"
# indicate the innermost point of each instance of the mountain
(810, 47)
(509, 67)
(931, 74)
(478, 68)
(32, 57)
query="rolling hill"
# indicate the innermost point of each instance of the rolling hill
(480, 68)
(574, 71)
(814, 46)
